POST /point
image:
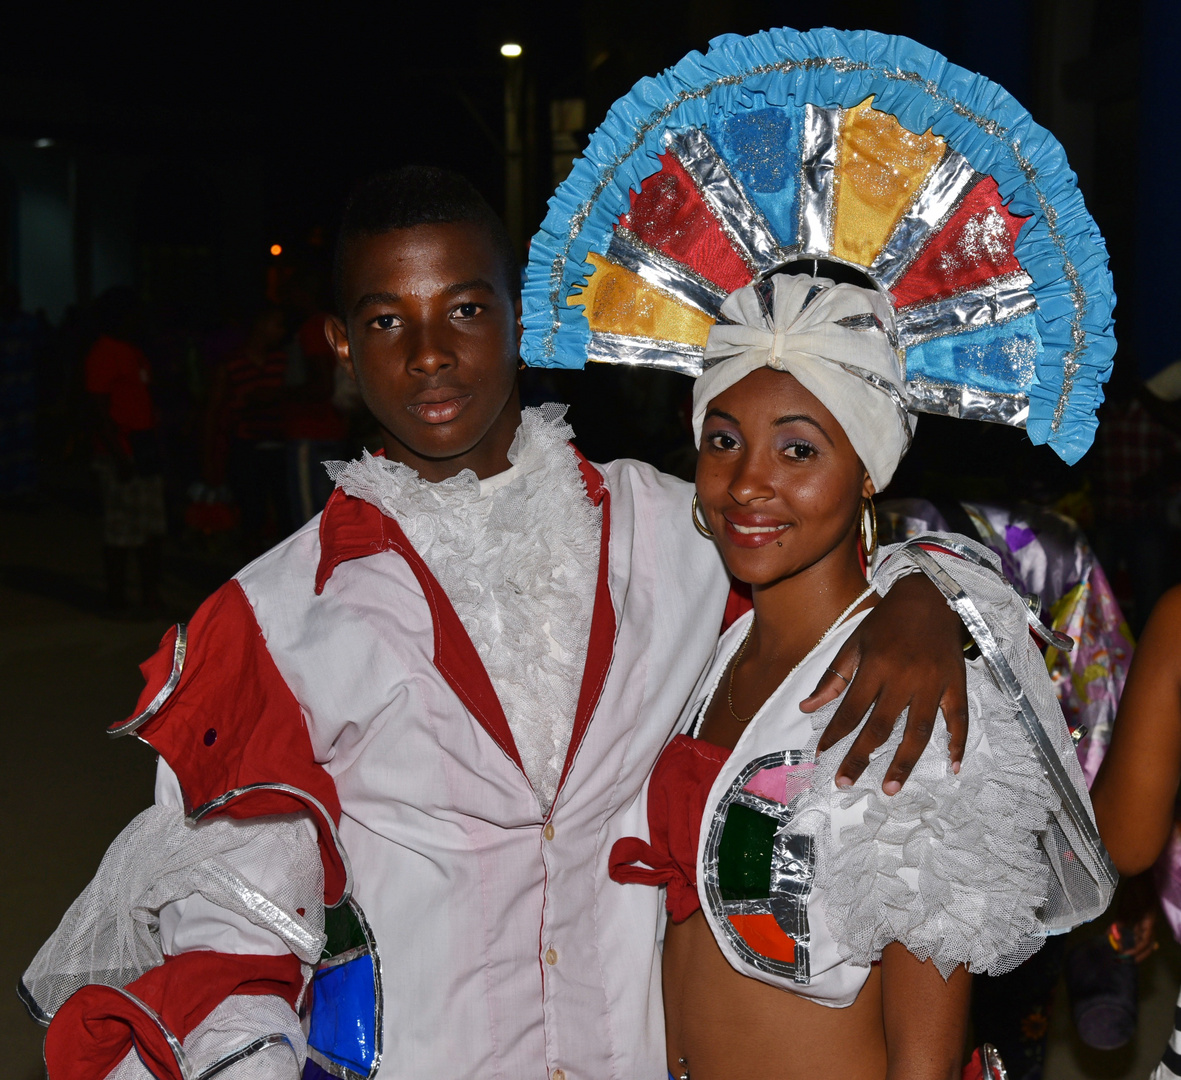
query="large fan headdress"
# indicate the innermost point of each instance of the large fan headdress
(852, 147)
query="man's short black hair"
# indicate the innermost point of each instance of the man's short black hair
(419, 195)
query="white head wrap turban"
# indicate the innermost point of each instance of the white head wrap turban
(835, 339)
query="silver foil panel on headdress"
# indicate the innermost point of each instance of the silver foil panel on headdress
(740, 219)
(938, 199)
(994, 302)
(672, 277)
(645, 352)
(819, 155)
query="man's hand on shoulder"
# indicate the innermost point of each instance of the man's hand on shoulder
(907, 653)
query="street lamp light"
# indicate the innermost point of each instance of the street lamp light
(510, 49)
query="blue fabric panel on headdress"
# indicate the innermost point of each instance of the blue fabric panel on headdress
(761, 148)
(344, 1009)
(1000, 359)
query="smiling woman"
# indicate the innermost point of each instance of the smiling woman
(801, 902)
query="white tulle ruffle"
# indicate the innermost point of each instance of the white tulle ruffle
(951, 866)
(518, 558)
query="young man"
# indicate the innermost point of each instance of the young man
(460, 675)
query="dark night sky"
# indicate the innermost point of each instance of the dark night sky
(326, 93)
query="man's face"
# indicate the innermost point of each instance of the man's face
(431, 337)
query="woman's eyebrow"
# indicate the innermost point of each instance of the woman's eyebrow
(801, 418)
(723, 415)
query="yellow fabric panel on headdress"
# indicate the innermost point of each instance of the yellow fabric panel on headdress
(621, 302)
(881, 167)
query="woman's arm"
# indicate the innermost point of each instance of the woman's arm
(1136, 787)
(925, 1018)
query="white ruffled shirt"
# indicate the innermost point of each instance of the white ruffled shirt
(517, 555)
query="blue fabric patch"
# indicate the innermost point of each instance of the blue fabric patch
(1001, 359)
(312, 1071)
(762, 149)
(344, 1009)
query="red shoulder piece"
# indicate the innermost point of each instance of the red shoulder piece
(738, 603)
(97, 1026)
(218, 711)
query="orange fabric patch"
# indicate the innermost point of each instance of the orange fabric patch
(763, 934)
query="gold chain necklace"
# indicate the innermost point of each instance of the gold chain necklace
(742, 648)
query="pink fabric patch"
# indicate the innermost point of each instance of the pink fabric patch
(782, 783)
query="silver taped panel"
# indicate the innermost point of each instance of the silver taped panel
(967, 402)
(629, 251)
(994, 302)
(740, 219)
(793, 869)
(938, 199)
(1030, 722)
(369, 949)
(645, 352)
(157, 703)
(818, 165)
(216, 804)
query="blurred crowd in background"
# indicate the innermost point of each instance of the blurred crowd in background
(204, 433)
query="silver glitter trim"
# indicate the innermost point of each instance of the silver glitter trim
(157, 703)
(1030, 722)
(993, 302)
(247, 1051)
(741, 221)
(629, 251)
(939, 197)
(216, 804)
(793, 871)
(607, 348)
(967, 402)
(819, 151)
(841, 65)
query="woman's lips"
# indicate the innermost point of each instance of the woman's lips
(442, 411)
(754, 534)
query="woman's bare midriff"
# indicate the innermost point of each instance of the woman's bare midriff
(728, 1026)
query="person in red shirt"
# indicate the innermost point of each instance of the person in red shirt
(246, 417)
(127, 450)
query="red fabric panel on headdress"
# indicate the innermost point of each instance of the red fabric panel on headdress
(669, 214)
(974, 246)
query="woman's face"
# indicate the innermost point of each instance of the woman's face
(779, 482)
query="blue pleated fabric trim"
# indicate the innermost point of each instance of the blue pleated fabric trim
(924, 91)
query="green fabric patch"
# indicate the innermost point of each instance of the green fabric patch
(744, 854)
(344, 931)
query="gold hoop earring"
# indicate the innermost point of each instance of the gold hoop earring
(698, 524)
(869, 536)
